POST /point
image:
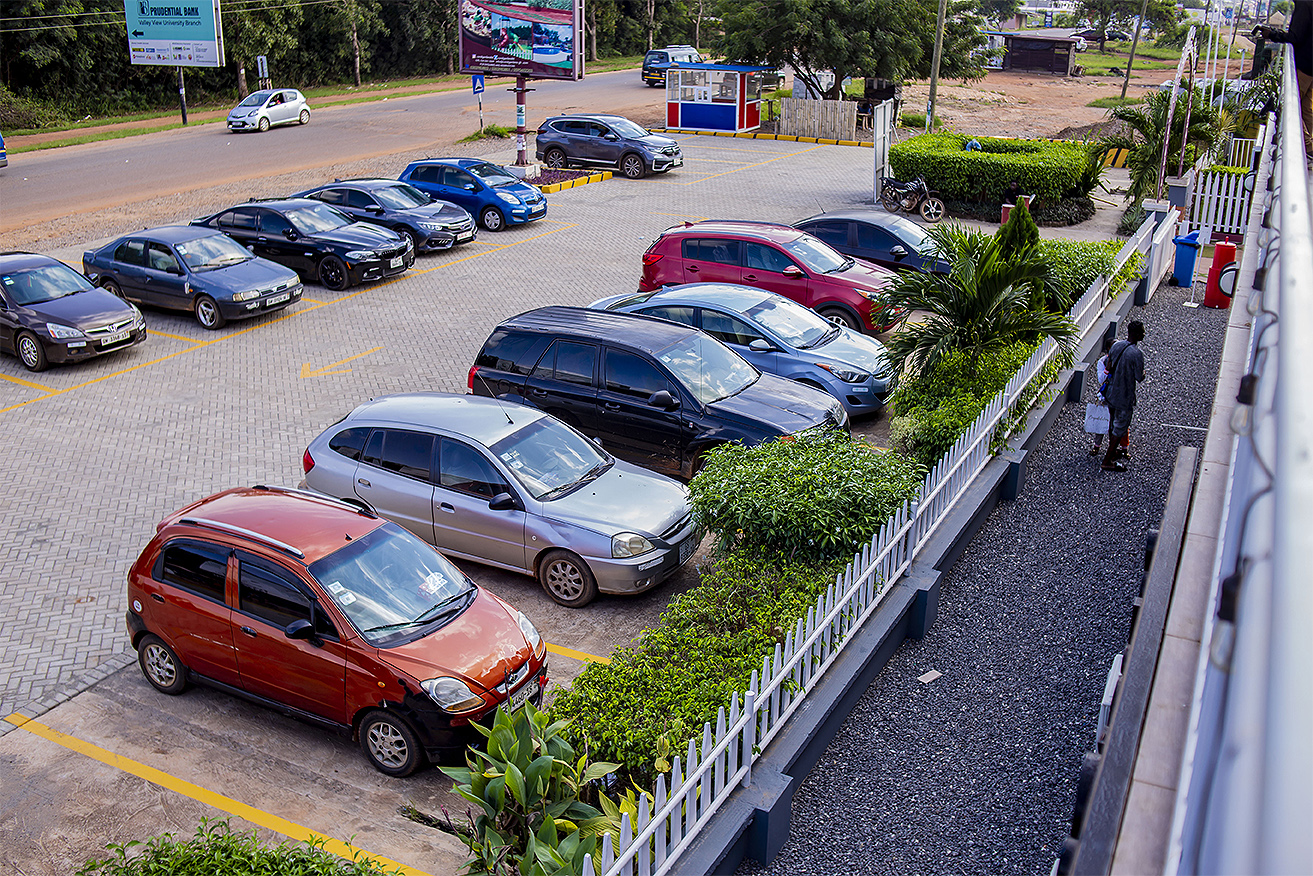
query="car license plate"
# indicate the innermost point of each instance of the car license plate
(115, 338)
(468, 235)
(541, 208)
(521, 696)
(395, 263)
(686, 549)
(279, 299)
(679, 162)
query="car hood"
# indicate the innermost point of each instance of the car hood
(656, 141)
(84, 310)
(864, 275)
(439, 210)
(256, 273)
(523, 190)
(849, 348)
(359, 234)
(607, 504)
(482, 646)
(786, 405)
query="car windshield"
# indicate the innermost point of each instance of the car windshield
(43, 283)
(492, 174)
(402, 197)
(549, 458)
(256, 98)
(317, 218)
(817, 255)
(213, 252)
(707, 368)
(626, 128)
(390, 582)
(916, 236)
(796, 325)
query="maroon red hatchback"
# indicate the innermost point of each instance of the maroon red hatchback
(777, 258)
(329, 614)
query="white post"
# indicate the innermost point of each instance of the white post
(749, 733)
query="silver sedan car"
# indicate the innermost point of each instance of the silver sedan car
(268, 108)
(509, 486)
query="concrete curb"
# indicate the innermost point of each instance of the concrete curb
(574, 183)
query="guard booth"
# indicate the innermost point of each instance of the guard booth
(714, 97)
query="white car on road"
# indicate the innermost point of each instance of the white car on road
(264, 109)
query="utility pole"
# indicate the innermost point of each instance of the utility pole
(182, 95)
(934, 64)
(1135, 41)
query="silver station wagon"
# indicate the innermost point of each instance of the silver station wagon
(510, 486)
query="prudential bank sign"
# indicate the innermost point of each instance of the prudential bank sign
(176, 36)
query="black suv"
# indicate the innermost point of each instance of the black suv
(658, 61)
(315, 240)
(605, 141)
(431, 225)
(655, 393)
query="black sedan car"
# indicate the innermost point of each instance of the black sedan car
(51, 313)
(878, 237)
(315, 240)
(182, 267)
(431, 225)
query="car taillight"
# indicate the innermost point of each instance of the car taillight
(542, 130)
(474, 369)
(651, 258)
(307, 461)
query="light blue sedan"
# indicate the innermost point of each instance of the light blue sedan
(776, 335)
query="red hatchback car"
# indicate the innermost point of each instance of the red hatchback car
(777, 258)
(329, 614)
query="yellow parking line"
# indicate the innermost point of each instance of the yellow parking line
(29, 384)
(175, 337)
(209, 798)
(744, 167)
(576, 655)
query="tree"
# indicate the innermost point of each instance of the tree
(999, 10)
(888, 39)
(1019, 233)
(1143, 127)
(1101, 14)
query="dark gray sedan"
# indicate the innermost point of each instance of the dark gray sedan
(432, 225)
(876, 236)
(509, 486)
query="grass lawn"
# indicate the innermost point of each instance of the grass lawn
(1099, 63)
(1110, 102)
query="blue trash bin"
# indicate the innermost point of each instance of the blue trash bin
(1187, 250)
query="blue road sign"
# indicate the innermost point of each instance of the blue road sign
(178, 36)
(477, 82)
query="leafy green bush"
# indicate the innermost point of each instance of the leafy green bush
(1075, 263)
(1048, 170)
(21, 114)
(652, 698)
(818, 496)
(217, 849)
(1019, 233)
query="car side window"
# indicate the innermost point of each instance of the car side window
(597, 130)
(273, 595)
(457, 178)
(874, 238)
(673, 312)
(765, 258)
(330, 196)
(131, 252)
(633, 375)
(833, 233)
(200, 569)
(429, 173)
(401, 451)
(571, 126)
(360, 200)
(161, 258)
(569, 362)
(349, 442)
(466, 470)
(273, 223)
(729, 329)
(724, 252)
(238, 219)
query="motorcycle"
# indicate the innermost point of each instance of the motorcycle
(911, 197)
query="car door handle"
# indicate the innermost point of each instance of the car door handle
(749, 276)
(538, 392)
(250, 632)
(446, 507)
(362, 482)
(692, 269)
(611, 406)
(157, 597)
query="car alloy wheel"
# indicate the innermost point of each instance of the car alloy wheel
(305, 117)
(554, 158)
(567, 579)
(631, 165)
(332, 273)
(161, 666)
(841, 317)
(492, 219)
(31, 352)
(111, 287)
(208, 314)
(414, 240)
(390, 744)
(264, 124)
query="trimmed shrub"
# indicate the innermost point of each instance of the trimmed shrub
(1076, 263)
(1019, 233)
(1048, 170)
(816, 496)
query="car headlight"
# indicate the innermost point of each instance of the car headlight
(451, 694)
(508, 197)
(847, 375)
(870, 296)
(63, 332)
(629, 544)
(433, 226)
(359, 254)
(246, 296)
(531, 634)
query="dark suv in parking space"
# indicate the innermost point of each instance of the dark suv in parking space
(652, 392)
(598, 140)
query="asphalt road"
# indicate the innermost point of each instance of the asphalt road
(47, 185)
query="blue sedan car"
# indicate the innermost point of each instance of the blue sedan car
(184, 267)
(492, 194)
(890, 241)
(776, 335)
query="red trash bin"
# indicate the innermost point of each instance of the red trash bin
(1223, 255)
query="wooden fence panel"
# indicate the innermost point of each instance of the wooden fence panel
(823, 119)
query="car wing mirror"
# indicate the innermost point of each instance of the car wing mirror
(375, 209)
(898, 252)
(663, 399)
(470, 187)
(792, 271)
(502, 502)
(300, 629)
(611, 137)
(291, 234)
(759, 345)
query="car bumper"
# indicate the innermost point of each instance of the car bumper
(437, 241)
(441, 734)
(252, 124)
(661, 163)
(868, 397)
(376, 269)
(521, 214)
(264, 304)
(65, 352)
(655, 78)
(639, 574)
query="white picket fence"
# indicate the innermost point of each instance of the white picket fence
(721, 760)
(1219, 203)
(1240, 152)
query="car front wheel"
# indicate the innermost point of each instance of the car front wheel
(31, 353)
(390, 745)
(567, 579)
(841, 317)
(631, 165)
(333, 274)
(208, 314)
(264, 124)
(305, 117)
(161, 666)
(492, 219)
(554, 158)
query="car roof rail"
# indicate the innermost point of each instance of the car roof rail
(360, 506)
(244, 533)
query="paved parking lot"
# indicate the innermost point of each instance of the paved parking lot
(97, 454)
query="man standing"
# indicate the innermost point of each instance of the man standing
(1299, 33)
(1125, 369)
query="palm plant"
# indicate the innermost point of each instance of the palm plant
(987, 301)
(1143, 130)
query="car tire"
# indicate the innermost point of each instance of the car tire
(111, 287)
(263, 124)
(161, 666)
(840, 316)
(567, 579)
(304, 118)
(554, 158)
(932, 210)
(414, 239)
(632, 166)
(333, 273)
(208, 313)
(390, 745)
(30, 352)
(492, 219)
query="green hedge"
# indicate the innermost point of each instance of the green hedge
(1048, 170)
(1076, 263)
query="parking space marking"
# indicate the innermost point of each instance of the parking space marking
(307, 371)
(174, 337)
(743, 167)
(259, 817)
(577, 655)
(29, 384)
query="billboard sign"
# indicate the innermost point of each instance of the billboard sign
(537, 38)
(189, 34)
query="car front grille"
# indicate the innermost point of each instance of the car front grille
(669, 534)
(670, 150)
(515, 678)
(101, 331)
(394, 252)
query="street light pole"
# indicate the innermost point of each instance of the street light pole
(934, 64)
